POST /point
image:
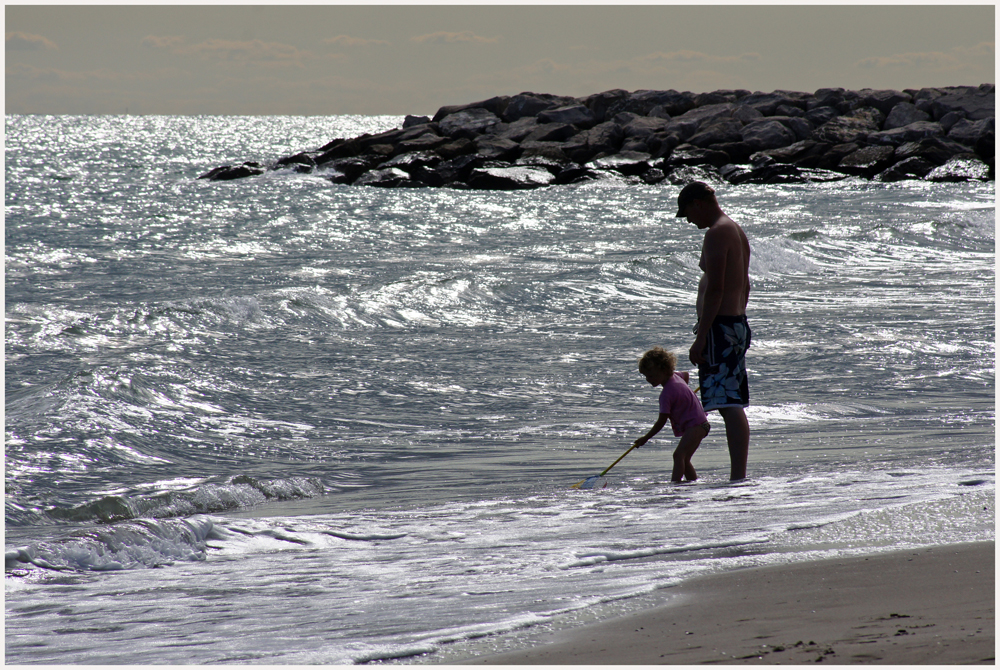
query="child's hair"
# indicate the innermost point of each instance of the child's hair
(659, 359)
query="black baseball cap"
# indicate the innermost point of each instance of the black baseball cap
(696, 190)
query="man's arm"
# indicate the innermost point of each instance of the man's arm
(714, 253)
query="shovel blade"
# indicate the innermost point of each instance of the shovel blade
(588, 483)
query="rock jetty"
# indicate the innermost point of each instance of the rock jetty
(532, 140)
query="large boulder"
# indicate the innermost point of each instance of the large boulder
(496, 106)
(974, 102)
(912, 133)
(599, 103)
(768, 103)
(963, 167)
(230, 172)
(509, 178)
(911, 168)
(882, 100)
(970, 133)
(469, 123)
(576, 115)
(719, 132)
(867, 161)
(497, 148)
(643, 102)
(532, 104)
(767, 134)
(936, 150)
(551, 132)
(904, 114)
(853, 128)
(387, 178)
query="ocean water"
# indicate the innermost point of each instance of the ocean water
(282, 421)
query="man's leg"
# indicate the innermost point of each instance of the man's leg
(738, 438)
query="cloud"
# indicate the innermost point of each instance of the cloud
(348, 41)
(697, 57)
(162, 41)
(959, 58)
(466, 36)
(28, 42)
(233, 51)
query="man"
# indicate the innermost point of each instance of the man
(722, 335)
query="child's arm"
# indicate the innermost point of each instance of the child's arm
(660, 422)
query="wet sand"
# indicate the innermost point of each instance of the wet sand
(921, 606)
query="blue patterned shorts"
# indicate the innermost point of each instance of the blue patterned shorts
(724, 380)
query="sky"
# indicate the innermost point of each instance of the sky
(332, 59)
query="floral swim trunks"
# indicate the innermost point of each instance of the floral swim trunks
(724, 380)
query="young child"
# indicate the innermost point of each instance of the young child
(677, 403)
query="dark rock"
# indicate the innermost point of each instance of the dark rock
(911, 133)
(910, 168)
(599, 103)
(630, 164)
(457, 170)
(882, 100)
(542, 150)
(497, 148)
(746, 114)
(409, 121)
(229, 172)
(551, 132)
(708, 115)
(844, 129)
(458, 147)
(717, 133)
(576, 115)
(718, 97)
(969, 132)
(469, 123)
(423, 143)
(963, 167)
(388, 178)
(604, 138)
(532, 104)
(635, 144)
(653, 176)
(949, 120)
(820, 115)
(768, 103)
(302, 163)
(517, 130)
(411, 161)
(767, 134)
(936, 150)
(806, 153)
(738, 152)
(643, 102)
(554, 165)
(867, 161)
(643, 126)
(986, 150)
(509, 178)
(497, 105)
(662, 144)
(687, 154)
(347, 170)
(975, 103)
(574, 174)
(904, 114)
(686, 174)
(836, 98)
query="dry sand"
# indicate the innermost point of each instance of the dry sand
(929, 605)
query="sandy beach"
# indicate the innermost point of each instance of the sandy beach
(921, 606)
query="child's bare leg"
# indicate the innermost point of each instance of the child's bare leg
(685, 450)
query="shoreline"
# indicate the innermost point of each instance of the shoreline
(916, 606)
